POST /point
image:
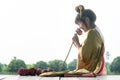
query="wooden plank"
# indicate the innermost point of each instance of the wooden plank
(77, 78)
(37, 78)
(17, 77)
(108, 77)
(8, 77)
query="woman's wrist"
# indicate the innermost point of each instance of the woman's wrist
(79, 45)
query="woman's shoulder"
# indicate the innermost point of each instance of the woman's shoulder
(92, 31)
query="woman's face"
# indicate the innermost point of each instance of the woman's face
(82, 26)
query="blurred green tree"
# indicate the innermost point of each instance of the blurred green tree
(1, 66)
(41, 64)
(72, 65)
(15, 64)
(57, 65)
(115, 65)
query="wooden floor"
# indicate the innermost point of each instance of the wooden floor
(17, 77)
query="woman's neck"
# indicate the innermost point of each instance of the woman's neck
(90, 27)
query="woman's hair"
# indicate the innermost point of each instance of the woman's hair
(83, 14)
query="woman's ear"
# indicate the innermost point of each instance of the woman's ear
(87, 20)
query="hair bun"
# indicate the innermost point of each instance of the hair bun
(77, 8)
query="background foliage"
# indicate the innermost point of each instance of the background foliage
(15, 64)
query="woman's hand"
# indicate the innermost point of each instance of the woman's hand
(75, 40)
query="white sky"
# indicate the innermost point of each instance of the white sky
(34, 30)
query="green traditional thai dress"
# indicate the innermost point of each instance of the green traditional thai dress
(89, 55)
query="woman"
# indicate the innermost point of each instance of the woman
(91, 50)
